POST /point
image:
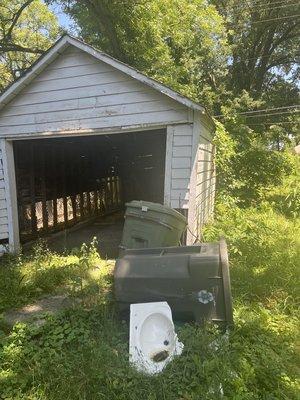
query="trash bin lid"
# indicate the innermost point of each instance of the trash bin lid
(159, 208)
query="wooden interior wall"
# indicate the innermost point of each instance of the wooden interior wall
(140, 163)
(60, 183)
(64, 181)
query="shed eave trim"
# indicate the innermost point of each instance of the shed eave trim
(92, 132)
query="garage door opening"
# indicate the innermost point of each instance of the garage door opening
(64, 181)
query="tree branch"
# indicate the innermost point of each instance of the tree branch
(285, 36)
(16, 47)
(105, 20)
(15, 19)
(282, 61)
(6, 44)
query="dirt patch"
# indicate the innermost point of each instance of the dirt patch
(35, 312)
(108, 231)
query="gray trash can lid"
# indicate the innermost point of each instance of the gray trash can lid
(159, 208)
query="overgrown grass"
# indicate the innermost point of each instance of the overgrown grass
(264, 251)
(24, 278)
(83, 353)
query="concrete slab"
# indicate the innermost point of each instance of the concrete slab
(108, 231)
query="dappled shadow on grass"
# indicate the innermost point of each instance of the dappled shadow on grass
(25, 278)
(84, 354)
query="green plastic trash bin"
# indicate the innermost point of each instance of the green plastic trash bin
(194, 280)
(151, 225)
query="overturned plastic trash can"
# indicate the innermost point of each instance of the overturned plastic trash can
(151, 225)
(194, 280)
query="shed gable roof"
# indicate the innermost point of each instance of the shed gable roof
(65, 41)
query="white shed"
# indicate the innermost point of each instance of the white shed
(82, 133)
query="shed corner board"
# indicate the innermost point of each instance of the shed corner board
(11, 196)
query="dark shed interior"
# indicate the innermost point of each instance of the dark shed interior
(63, 181)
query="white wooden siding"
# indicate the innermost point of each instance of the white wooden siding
(181, 163)
(76, 92)
(205, 180)
(3, 206)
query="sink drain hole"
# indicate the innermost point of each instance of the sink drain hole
(160, 356)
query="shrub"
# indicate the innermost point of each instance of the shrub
(247, 169)
(286, 197)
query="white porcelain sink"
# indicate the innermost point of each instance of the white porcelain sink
(153, 341)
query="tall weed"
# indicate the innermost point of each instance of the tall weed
(264, 252)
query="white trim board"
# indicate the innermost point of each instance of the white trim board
(97, 132)
(11, 194)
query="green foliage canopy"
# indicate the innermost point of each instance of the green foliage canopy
(27, 29)
(182, 43)
(239, 59)
(213, 51)
(265, 40)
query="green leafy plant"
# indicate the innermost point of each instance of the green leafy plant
(26, 277)
(83, 352)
